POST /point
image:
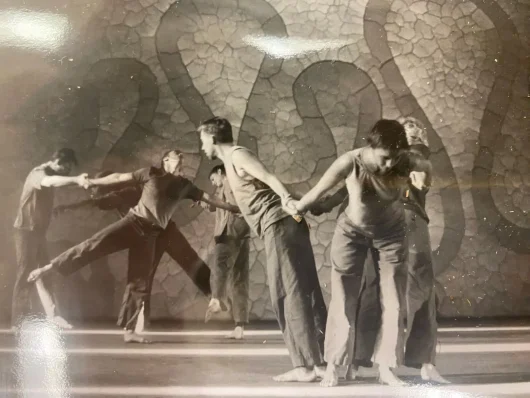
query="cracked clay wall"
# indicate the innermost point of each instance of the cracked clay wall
(301, 81)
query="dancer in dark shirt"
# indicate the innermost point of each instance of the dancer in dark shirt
(230, 270)
(170, 241)
(138, 231)
(33, 219)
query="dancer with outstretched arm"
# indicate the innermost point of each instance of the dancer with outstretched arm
(170, 241)
(291, 270)
(33, 218)
(163, 188)
(374, 220)
(422, 326)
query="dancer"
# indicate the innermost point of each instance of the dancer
(420, 343)
(232, 249)
(163, 188)
(171, 240)
(374, 220)
(293, 281)
(33, 219)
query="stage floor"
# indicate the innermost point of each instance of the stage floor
(479, 361)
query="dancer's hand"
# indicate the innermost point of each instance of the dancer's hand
(35, 275)
(289, 206)
(418, 179)
(83, 181)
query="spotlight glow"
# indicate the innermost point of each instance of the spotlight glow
(290, 47)
(40, 31)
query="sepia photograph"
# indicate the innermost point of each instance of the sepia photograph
(265, 198)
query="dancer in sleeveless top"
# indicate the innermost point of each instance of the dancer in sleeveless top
(374, 220)
(292, 275)
(420, 342)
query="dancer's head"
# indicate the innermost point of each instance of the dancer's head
(171, 161)
(213, 132)
(62, 162)
(415, 131)
(217, 176)
(386, 140)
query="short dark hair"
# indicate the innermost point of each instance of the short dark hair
(65, 155)
(388, 134)
(216, 169)
(166, 154)
(220, 128)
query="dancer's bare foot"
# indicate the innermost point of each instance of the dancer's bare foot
(236, 334)
(61, 322)
(214, 307)
(331, 377)
(351, 373)
(386, 376)
(430, 373)
(320, 371)
(131, 337)
(300, 374)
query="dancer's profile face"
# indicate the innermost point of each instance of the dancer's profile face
(208, 145)
(62, 168)
(217, 179)
(173, 163)
(383, 159)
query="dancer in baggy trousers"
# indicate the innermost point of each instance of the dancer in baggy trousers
(163, 188)
(33, 218)
(374, 220)
(170, 241)
(291, 270)
(230, 268)
(421, 337)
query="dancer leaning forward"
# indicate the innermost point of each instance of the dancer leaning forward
(163, 187)
(375, 177)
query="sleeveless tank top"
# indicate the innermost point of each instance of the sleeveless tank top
(259, 204)
(374, 205)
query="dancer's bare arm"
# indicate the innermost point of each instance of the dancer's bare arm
(328, 203)
(216, 202)
(111, 179)
(63, 181)
(337, 172)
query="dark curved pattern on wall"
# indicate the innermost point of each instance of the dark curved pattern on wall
(358, 84)
(182, 84)
(454, 223)
(510, 235)
(124, 153)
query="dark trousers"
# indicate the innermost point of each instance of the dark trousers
(295, 290)
(230, 273)
(132, 233)
(174, 243)
(349, 249)
(31, 253)
(420, 309)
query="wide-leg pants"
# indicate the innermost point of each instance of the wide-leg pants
(348, 254)
(295, 290)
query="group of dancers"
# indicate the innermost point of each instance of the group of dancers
(381, 274)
